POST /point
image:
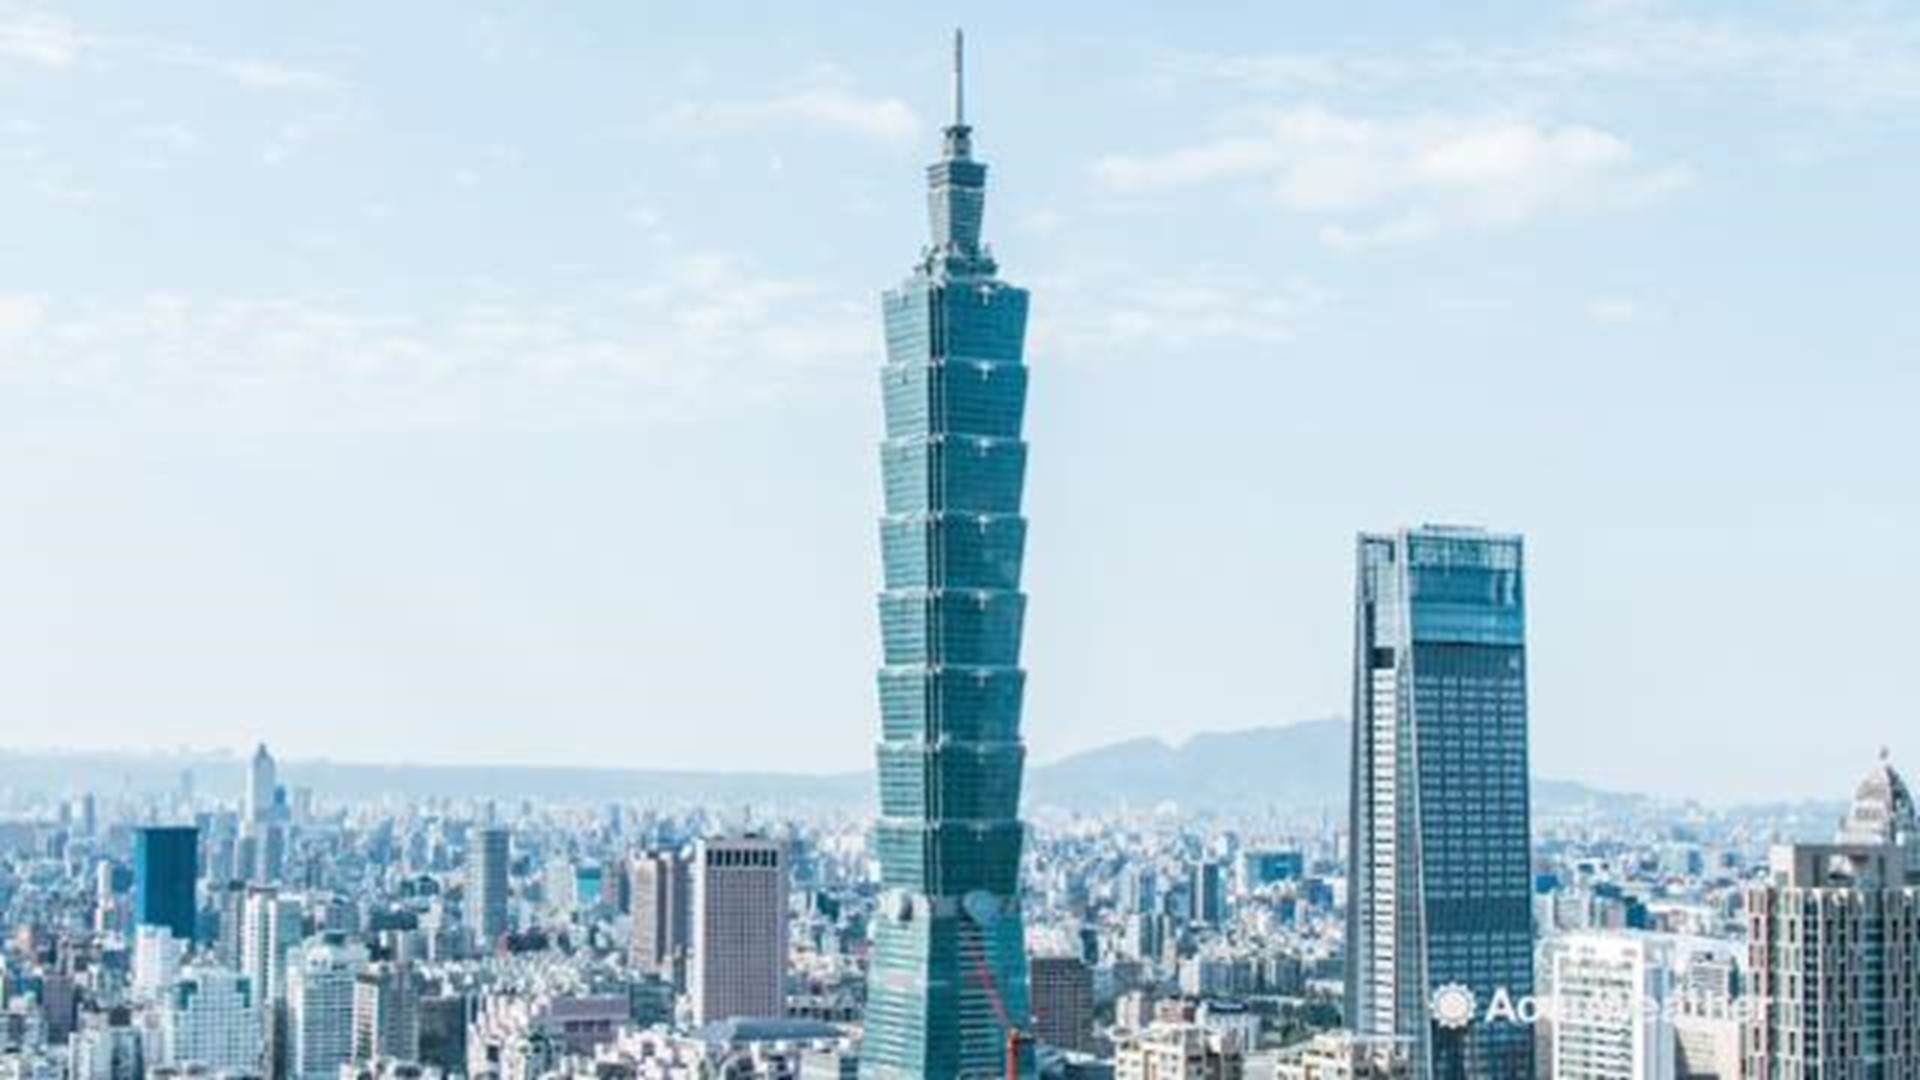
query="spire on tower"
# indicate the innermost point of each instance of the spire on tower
(959, 140)
(959, 78)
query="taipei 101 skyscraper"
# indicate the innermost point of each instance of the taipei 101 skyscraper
(947, 990)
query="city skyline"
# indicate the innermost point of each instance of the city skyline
(390, 458)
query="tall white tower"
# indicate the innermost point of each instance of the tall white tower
(320, 986)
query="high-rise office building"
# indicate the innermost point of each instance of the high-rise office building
(261, 848)
(1441, 878)
(487, 853)
(1612, 1018)
(1062, 989)
(1833, 945)
(949, 966)
(262, 853)
(263, 781)
(658, 898)
(443, 1032)
(1138, 893)
(166, 867)
(157, 958)
(739, 963)
(273, 929)
(386, 1013)
(1640, 1005)
(89, 815)
(108, 1046)
(110, 912)
(1208, 889)
(320, 991)
(211, 1017)
(230, 914)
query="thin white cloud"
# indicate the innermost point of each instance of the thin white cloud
(20, 314)
(171, 138)
(39, 40)
(829, 108)
(1612, 309)
(1119, 312)
(267, 74)
(286, 144)
(1841, 55)
(1376, 181)
(59, 44)
(705, 333)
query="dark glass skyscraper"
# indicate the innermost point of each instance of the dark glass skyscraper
(166, 867)
(1441, 889)
(949, 973)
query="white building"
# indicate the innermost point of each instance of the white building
(1883, 814)
(786, 1049)
(515, 1036)
(211, 1018)
(1609, 994)
(272, 931)
(320, 983)
(1342, 1055)
(103, 1049)
(1179, 1052)
(1638, 1005)
(739, 921)
(157, 956)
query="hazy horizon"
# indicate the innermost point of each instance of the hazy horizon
(224, 769)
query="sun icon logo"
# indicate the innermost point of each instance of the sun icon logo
(1454, 1006)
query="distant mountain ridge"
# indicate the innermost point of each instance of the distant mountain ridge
(1301, 767)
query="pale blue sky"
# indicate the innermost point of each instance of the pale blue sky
(456, 381)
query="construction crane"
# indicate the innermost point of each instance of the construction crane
(1018, 1039)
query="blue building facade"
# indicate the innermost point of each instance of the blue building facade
(948, 983)
(166, 869)
(1440, 900)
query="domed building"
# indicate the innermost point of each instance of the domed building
(1883, 814)
(1836, 931)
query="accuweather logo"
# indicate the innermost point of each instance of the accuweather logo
(1454, 1006)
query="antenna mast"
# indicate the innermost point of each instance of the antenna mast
(959, 78)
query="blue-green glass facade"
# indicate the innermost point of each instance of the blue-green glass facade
(1441, 884)
(949, 973)
(166, 872)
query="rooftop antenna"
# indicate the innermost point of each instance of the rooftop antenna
(959, 78)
